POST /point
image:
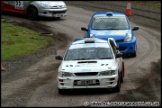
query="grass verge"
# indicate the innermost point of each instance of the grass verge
(17, 41)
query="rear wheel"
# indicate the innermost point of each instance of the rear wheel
(32, 13)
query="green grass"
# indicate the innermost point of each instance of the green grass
(19, 41)
(148, 4)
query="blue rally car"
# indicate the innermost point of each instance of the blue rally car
(115, 25)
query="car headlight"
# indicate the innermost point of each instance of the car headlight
(108, 72)
(128, 38)
(44, 4)
(65, 74)
(64, 6)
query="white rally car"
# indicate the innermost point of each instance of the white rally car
(91, 63)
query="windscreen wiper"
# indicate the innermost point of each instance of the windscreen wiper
(106, 58)
(113, 29)
(82, 59)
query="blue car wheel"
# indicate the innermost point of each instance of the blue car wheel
(135, 53)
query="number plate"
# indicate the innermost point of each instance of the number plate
(58, 15)
(86, 82)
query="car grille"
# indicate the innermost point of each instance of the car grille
(86, 74)
(57, 7)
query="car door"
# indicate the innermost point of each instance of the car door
(6, 6)
(14, 6)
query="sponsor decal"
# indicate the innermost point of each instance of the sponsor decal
(89, 45)
(118, 32)
(106, 17)
(86, 70)
(19, 4)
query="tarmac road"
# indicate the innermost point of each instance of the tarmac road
(36, 85)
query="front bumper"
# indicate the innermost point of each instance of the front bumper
(127, 47)
(52, 13)
(124, 47)
(102, 82)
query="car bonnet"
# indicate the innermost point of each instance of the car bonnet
(52, 3)
(116, 34)
(87, 65)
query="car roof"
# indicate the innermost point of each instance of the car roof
(108, 14)
(89, 42)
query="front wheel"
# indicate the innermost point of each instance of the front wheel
(122, 73)
(61, 91)
(135, 53)
(117, 88)
(121, 79)
(32, 13)
(57, 18)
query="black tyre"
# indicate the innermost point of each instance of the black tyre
(121, 79)
(134, 54)
(32, 13)
(124, 55)
(117, 88)
(61, 91)
(122, 73)
(57, 18)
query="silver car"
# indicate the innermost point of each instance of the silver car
(33, 9)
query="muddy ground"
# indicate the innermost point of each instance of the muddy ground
(31, 80)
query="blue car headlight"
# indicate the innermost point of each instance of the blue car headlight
(108, 73)
(92, 36)
(128, 38)
(65, 74)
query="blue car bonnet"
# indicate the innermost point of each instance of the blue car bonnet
(116, 34)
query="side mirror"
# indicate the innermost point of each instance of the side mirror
(135, 28)
(118, 55)
(84, 29)
(58, 58)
